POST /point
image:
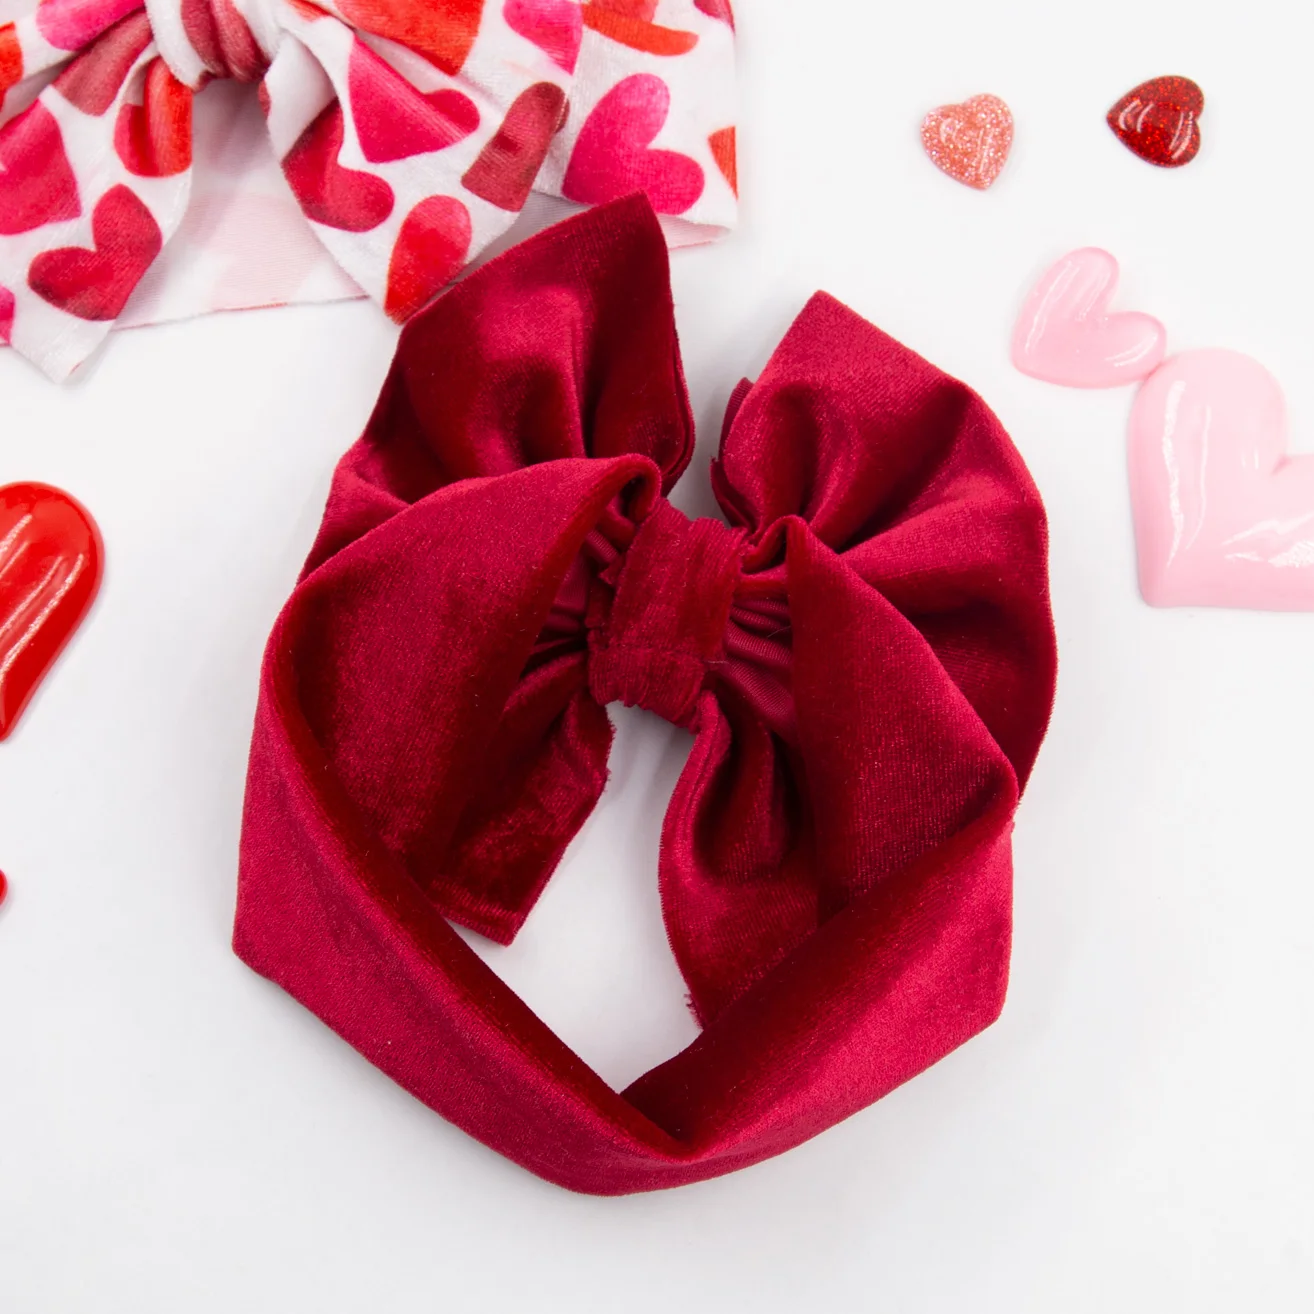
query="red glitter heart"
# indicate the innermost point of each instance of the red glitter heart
(50, 567)
(1159, 121)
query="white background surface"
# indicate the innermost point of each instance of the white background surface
(1136, 1134)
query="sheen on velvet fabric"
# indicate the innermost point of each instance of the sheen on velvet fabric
(864, 654)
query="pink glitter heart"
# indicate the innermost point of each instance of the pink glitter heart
(970, 142)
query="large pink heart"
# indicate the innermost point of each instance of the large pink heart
(1065, 333)
(612, 156)
(395, 121)
(1224, 517)
(37, 186)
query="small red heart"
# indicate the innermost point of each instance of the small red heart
(554, 26)
(154, 139)
(96, 283)
(92, 80)
(506, 168)
(613, 155)
(443, 31)
(970, 142)
(431, 250)
(51, 561)
(1159, 121)
(329, 193)
(6, 315)
(36, 181)
(395, 121)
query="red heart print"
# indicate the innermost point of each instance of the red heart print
(443, 31)
(431, 250)
(718, 9)
(36, 181)
(329, 193)
(6, 315)
(11, 60)
(154, 139)
(92, 80)
(554, 26)
(51, 561)
(630, 24)
(75, 24)
(612, 156)
(223, 39)
(96, 283)
(724, 152)
(395, 121)
(506, 168)
(1159, 121)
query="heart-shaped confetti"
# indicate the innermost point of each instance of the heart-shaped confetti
(1224, 516)
(95, 283)
(1066, 334)
(39, 187)
(970, 142)
(51, 561)
(1160, 121)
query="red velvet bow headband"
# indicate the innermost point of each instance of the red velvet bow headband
(864, 653)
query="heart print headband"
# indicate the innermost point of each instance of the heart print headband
(410, 133)
(864, 654)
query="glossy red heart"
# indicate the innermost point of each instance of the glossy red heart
(95, 283)
(505, 170)
(1159, 121)
(51, 560)
(443, 31)
(154, 139)
(36, 181)
(395, 121)
(612, 155)
(92, 80)
(431, 250)
(6, 315)
(329, 193)
(554, 26)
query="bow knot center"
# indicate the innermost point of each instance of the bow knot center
(665, 626)
(204, 39)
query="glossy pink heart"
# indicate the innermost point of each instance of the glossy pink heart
(1224, 517)
(395, 121)
(1066, 334)
(613, 155)
(554, 26)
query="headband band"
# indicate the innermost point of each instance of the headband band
(864, 654)
(409, 132)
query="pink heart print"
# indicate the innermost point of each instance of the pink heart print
(554, 26)
(613, 155)
(72, 24)
(37, 186)
(1066, 334)
(1224, 517)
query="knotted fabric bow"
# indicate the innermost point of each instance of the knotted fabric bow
(864, 654)
(410, 132)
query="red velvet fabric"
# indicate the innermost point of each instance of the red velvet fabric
(864, 654)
